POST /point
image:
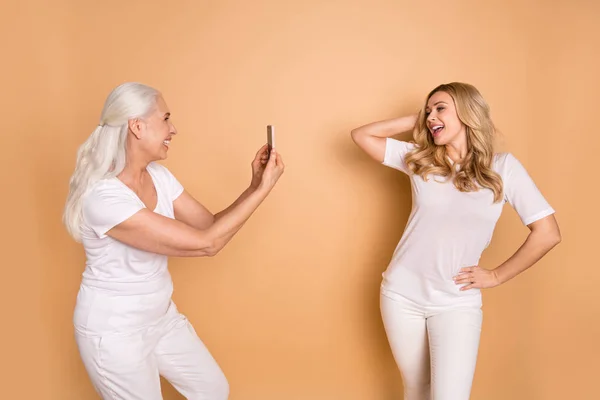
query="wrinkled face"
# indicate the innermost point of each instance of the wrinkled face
(442, 120)
(156, 131)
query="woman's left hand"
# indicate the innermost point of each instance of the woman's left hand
(258, 166)
(476, 278)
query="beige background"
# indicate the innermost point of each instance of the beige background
(290, 307)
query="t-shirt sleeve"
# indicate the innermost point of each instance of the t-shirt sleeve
(522, 194)
(395, 152)
(106, 206)
(173, 187)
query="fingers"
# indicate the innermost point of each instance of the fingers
(262, 156)
(469, 269)
(471, 286)
(259, 155)
(464, 278)
(280, 161)
(467, 279)
(272, 159)
(263, 149)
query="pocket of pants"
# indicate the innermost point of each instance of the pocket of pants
(122, 353)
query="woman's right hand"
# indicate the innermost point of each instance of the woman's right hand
(372, 137)
(272, 172)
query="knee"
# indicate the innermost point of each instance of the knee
(417, 391)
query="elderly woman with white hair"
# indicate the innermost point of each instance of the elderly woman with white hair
(130, 213)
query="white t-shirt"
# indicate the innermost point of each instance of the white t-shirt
(123, 288)
(448, 229)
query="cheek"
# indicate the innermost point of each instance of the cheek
(154, 138)
(454, 124)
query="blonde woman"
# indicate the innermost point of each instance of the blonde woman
(131, 213)
(431, 290)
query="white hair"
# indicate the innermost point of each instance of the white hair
(102, 155)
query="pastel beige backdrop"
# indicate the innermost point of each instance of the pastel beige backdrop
(290, 308)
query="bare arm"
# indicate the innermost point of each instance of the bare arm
(544, 236)
(240, 199)
(155, 233)
(371, 137)
(190, 211)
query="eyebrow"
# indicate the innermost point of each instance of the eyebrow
(438, 102)
(167, 114)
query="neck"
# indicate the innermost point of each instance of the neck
(135, 168)
(457, 150)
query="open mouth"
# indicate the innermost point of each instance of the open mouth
(436, 130)
(167, 142)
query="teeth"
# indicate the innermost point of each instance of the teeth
(167, 142)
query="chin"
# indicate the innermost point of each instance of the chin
(439, 141)
(163, 154)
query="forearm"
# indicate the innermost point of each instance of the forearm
(231, 220)
(386, 128)
(533, 249)
(239, 200)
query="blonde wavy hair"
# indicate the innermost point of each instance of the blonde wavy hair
(475, 171)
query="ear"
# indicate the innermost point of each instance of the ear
(136, 126)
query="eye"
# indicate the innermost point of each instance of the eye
(440, 109)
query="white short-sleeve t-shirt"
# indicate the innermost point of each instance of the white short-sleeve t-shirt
(122, 287)
(448, 229)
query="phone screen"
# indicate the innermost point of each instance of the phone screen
(271, 137)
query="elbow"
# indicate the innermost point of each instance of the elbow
(210, 252)
(206, 245)
(211, 249)
(355, 135)
(556, 239)
(554, 236)
(215, 246)
(552, 239)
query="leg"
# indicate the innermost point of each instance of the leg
(188, 365)
(454, 343)
(406, 330)
(120, 367)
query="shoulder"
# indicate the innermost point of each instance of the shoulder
(158, 169)
(106, 188)
(400, 145)
(105, 196)
(504, 161)
(160, 172)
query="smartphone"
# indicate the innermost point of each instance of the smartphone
(270, 137)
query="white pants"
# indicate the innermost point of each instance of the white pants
(435, 348)
(126, 366)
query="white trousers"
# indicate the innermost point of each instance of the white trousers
(435, 349)
(126, 366)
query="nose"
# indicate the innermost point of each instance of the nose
(172, 130)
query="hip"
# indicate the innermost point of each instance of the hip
(98, 311)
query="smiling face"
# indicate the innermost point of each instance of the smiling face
(154, 132)
(442, 120)
(160, 130)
